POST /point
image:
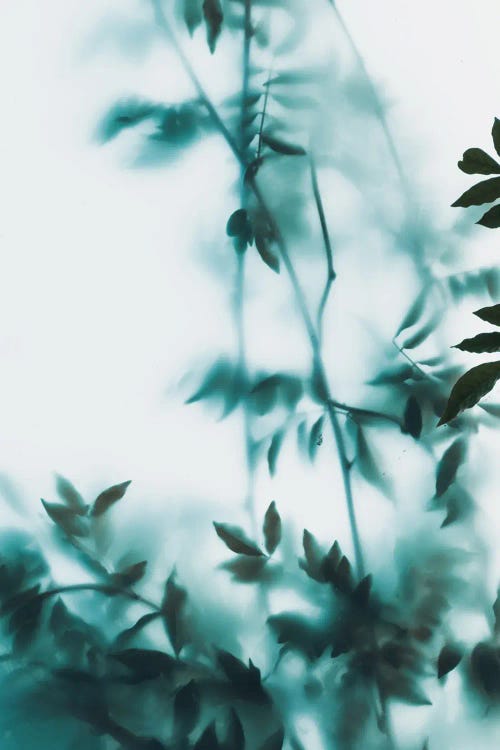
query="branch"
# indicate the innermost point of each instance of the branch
(330, 272)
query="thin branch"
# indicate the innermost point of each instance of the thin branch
(97, 587)
(264, 111)
(330, 271)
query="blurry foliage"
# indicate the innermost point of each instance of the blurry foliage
(72, 654)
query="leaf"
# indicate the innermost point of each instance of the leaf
(485, 663)
(109, 497)
(192, 14)
(470, 388)
(272, 528)
(316, 437)
(237, 224)
(413, 313)
(208, 739)
(450, 462)
(413, 418)
(299, 632)
(449, 658)
(397, 374)
(223, 380)
(483, 342)
(314, 555)
(281, 147)
(275, 741)
(126, 635)
(486, 191)
(235, 539)
(495, 134)
(146, 664)
(270, 259)
(131, 574)
(186, 709)
(70, 495)
(245, 680)
(235, 737)
(490, 314)
(330, 562)
(420, 336)
(212, 12)
(491, 219)
(477, 161)
(124, 115)
(248, 569)
(274, 449)
(173, 604)
(66, 518)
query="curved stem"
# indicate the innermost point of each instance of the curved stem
(101, 589)
(330, 271)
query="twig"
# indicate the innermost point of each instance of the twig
(330, 271)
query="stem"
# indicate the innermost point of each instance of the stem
(263, 113)
(101, 589)
(330, 271)
(296, 287)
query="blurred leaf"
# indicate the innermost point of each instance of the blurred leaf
(238, 224)
(146, 664)
(295, 101)
(330, 563)
(485, 664)
(109, 497)
(66, 518)
(361, 593)
(208, 739)
(397, 374)
(274, 449)
(316, 437)
(477, 161)
(450, 657)
(270, 259)
(420, 336)
(493, 409)
(245, 680)
(490, 314)
(483, 342)
(186, 709)
(272, 528)
(413, 418)
(212, 12)
(192, 14)
(486, 191)
(491, 219)
(265, 394)
(235, 737)
(235, 539)
(125, 114)
(274, 742)
(248, 569)
(314, 555)
(131, 574)
(470, 388)
(173, 604)
(298, 632)
(495, 134)
(451, 460)
(126, 635)
(281, 147)
(70, 495)
(413, 313)
(223, 381)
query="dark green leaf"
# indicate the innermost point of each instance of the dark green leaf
(70, 494)
(208, 739)
(274, 742)
(126, 635)
(245, 680)
(235, 539)
(173, 605)
(486, 191)
(237, 224)
(272, 528)
(490, 314)
(146, 664)
(477, 161)
(235, 737)
(131, 574)
(449, 658)
(274, 449)
(212, 12)
(495, 134)
(299, 632)
(248, 569)
(483, 342)
(450, 462)
(314, 555)
(413, 418)
(485, 663)
(66, 518)
(316, 437)
(361, 593)
(186, 709)
(470, 388)
(491, 219)
(192, 14)
(109, 497)
(281, 147)
(331, 562)
(263, 248)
